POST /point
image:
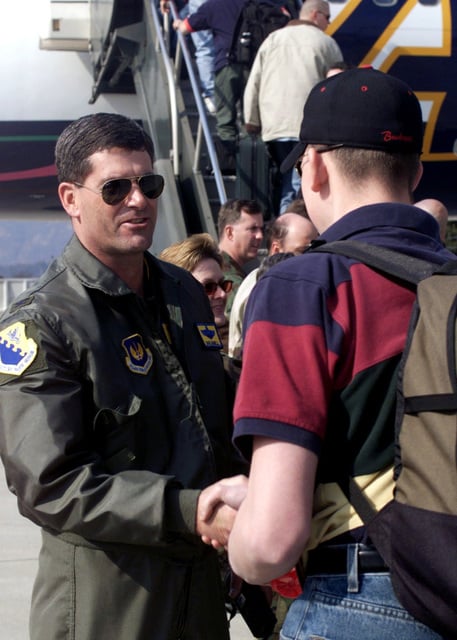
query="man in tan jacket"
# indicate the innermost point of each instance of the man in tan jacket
(288, 64)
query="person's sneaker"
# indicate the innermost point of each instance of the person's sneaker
(209, 104)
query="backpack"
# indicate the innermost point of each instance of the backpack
(256, 21)
(416, 532)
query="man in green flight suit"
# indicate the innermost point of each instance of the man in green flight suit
(113, 414)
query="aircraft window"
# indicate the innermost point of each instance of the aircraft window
(392, 3)
(385, 3)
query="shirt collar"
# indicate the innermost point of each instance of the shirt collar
(380, 215)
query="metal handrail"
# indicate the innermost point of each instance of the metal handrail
(171, 89)
(203, 125)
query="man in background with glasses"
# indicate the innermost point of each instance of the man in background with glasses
(289, 233)
(112, 411)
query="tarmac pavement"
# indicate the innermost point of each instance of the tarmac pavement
(20, 541)
(19, 545)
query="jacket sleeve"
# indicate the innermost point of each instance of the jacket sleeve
(252, 91)
(51, 465)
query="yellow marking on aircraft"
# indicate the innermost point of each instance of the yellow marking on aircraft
(437, 99)
(397, 52)
(343, 15)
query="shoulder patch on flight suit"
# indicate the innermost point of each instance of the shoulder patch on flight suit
(209, 335)
(139, 358)
(17, 352)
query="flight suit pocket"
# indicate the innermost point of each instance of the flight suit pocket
(116, 434)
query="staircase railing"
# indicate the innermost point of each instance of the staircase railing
(203, 130)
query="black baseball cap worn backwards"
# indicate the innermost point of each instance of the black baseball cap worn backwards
(360, 108)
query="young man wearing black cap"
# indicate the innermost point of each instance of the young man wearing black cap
(327, 333)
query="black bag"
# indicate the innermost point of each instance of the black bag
(416, 533)
(251, 602)
(256, 21)
(254, 172)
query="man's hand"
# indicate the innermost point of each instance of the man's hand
(180, 25)
(252, 129)
(217, 507)
(164, 7)
(230, 491)
(216, 530)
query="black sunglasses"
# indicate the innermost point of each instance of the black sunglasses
(211, 287)
(114, 191)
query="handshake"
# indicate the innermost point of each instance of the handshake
(216, 512)
(217, 508)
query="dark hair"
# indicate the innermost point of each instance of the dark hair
(90, 134)
(274, 230)
(342, 65)
(270, 261)
(297, 206)
(230, 212)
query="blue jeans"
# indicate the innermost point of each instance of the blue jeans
(289, 183)
(204, 53)
(290, 188)
(328, 610)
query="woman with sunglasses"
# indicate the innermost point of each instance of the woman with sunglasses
(200, 255)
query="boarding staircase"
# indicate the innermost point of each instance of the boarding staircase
(136, 50)
(133, 50)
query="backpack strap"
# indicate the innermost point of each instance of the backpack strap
(388, 261)
(357, 499)
(231, 54)
(395, 264)
(407, 269)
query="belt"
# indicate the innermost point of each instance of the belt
(329, 559)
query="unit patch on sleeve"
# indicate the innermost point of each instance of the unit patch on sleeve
(209, 335)
(139, 358)
(17, 352)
